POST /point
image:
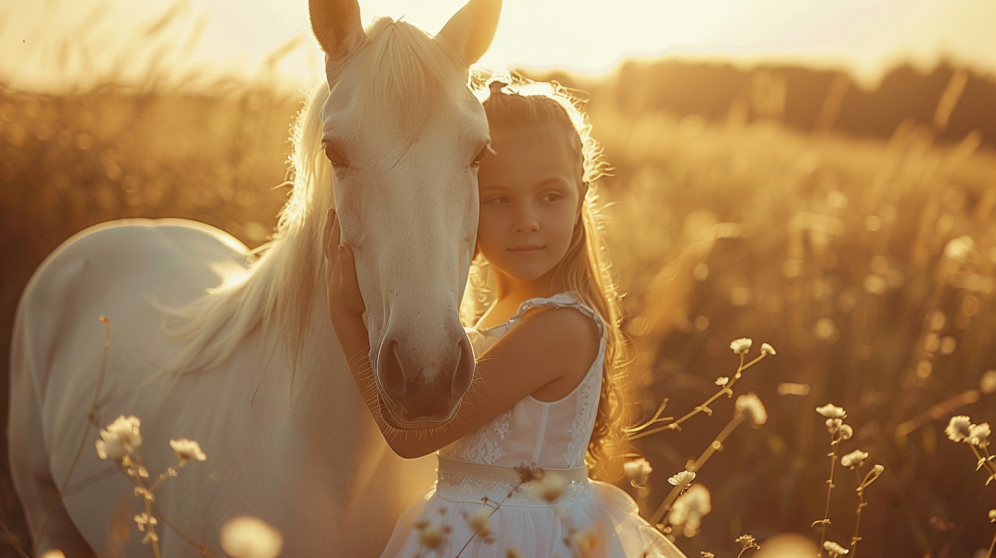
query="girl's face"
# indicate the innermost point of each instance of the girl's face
(530, 201)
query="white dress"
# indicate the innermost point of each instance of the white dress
(475, 474)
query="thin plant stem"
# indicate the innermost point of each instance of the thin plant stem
(861, 506)
(703, 408)
(984, 461)
(495, 510)
(826, 514)
(992, 545)
(714, 446)
(203, 550)
(92, 420)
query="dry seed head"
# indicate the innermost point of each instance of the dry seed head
(187, 450)
(689, 509)
(431, 537)
(831, 411)
(480, 522)
(682, 479)
(845, 432)
(549, 488)
(722, 381)
(834, 549)
(120, 438)
(992, 518)
(750, 405)
(978, 435)
(638, 471)
(741, 346)
(854, 459)
(767, 349)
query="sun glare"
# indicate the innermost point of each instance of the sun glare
(58, 41)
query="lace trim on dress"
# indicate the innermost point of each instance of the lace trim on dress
(483, 445)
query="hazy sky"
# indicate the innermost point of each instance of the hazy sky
(585, 35)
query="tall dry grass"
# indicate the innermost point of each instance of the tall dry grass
(848, 254)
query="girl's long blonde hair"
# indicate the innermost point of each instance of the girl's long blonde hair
(585, 268)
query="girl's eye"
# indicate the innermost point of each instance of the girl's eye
(334, 156)
(496, 200)
(553, 196)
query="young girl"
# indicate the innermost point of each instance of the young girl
(548, 347)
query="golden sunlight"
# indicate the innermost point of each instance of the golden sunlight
(589, 36)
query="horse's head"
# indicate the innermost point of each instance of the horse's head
(403, 133)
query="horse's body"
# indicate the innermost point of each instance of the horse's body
(287, 434)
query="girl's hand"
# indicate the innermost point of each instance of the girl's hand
(345, 301)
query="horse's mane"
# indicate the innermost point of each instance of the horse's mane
(413, 75)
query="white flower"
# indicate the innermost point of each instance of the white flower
(854, 459)
(959, 428)
(480, 522)
(767, 349)
(120, 438)
(187, 450)
(751, 406)
(689, 509)
(978, 434)
(722, 381)
(831, 411)
(741, 346)
(250, 537)
(682, 479)
(549, 488)
(834, 549)
(834, 424)
(638, 470)
(846, 432)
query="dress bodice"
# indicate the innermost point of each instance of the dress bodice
(551, 435)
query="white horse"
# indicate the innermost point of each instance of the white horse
(240, 355)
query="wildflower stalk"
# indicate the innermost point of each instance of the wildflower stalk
(984, 460)
(92, 420)
(826, 514)
(695, 466)
(493, 511)
(637, 432)
(861, 505)
(992, 545)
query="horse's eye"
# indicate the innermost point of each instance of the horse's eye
(334, 157)
(480, 155)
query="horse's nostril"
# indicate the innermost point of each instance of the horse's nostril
(392, 376)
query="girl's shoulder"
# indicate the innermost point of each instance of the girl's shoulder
(583, 317)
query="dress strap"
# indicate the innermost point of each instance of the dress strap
(498, 473)
(567, 299)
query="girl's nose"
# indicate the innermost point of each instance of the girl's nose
(527, 221)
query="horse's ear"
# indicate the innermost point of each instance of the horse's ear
(336, 24)
(471, 29)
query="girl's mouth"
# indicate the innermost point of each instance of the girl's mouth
(525, 250)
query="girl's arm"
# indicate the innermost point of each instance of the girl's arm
(550, 347)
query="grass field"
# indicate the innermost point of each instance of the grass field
(868, 263)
